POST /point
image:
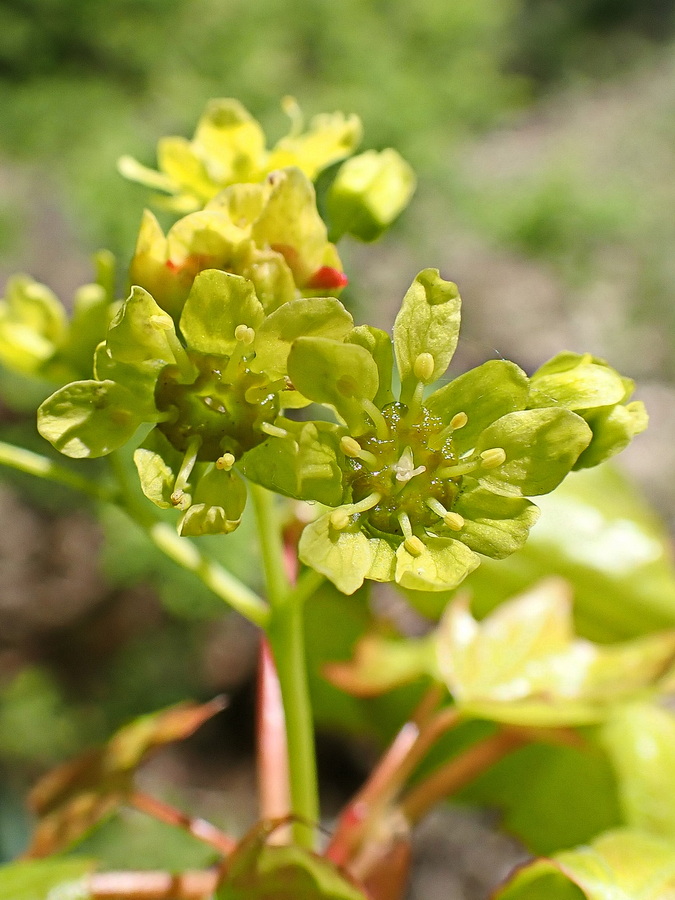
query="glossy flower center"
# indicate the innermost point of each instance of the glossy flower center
(226, 407)
(406, 469)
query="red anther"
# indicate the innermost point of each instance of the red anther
(327, 277)
(172, 266)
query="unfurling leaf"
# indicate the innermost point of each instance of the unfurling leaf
(76, 796)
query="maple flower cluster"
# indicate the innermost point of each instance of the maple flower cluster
(236, 360)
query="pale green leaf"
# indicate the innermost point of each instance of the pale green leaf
(335, 373)
(541, 446)
(89, 418)
(485, 394)
(217, 304)
(304, 317)
(442, 565)
(427, 323)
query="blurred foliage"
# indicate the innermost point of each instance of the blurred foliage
(119, 72)
(587, 37)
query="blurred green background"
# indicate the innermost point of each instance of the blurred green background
(542, 132)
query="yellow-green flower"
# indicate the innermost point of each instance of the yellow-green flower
(270, 233)
(427, 482)
(229, 147)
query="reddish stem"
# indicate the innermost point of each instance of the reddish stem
(459, 771)
(199, 828)
(272, 754)
(408, 749)
(152, 885)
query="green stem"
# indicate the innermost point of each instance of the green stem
(287, 639)
(180, 550)
(223, 584)
(271, 545)
(35, 464)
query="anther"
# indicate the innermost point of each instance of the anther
(411, 542)
(423, 367)
(405, 467)
(273, 430)
(351, 448)
(225, 462)
(180, 499)
(245, 334)
(414, 546)
(452, 519)
(459, 420)
(493, 457)
(339, 518)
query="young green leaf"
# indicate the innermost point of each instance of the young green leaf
(618, 865)
(257, 871)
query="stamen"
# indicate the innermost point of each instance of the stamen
(186, 468)
(181, 500)
(367, 503)
(378, 420)
(463, 468)
(459, 420)
(225, 462)
(414, 546)
(423, 367)
(245, 334)
(185, 365)
(404, 522)
(404, 468)
(273, 430)
(411, 542)
(452, 519)
(354, 450)
(491, 459)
